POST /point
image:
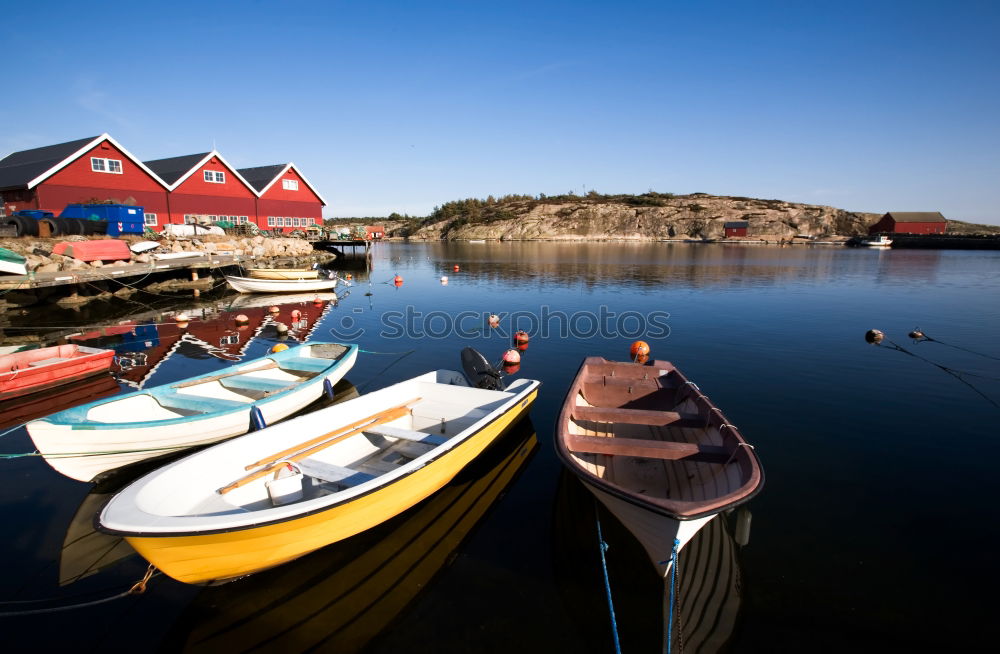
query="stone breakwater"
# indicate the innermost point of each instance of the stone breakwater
(38, 251)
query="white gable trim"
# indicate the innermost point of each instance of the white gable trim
(206, 159)
(291, 166)
(87, 148)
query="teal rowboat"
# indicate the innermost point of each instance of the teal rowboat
(12, 262)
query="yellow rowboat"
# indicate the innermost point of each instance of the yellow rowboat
(336, 472)
(283, 273)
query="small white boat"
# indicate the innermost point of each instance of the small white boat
(314, 480)
(170, 256)
(93, 438)
(249, 285)
(881, 241)
(12, 262)
(144, 246)
(283, 273)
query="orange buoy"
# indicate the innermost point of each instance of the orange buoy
(296, 314)
(510, 368)
(397, 280)
(638, 349)
(318, 301)
(274, 310)
(494, 320)
(182, 320)
(521, 340)
(455, 268)
(512, 356)
(642, 358)
(242, 319)
(280, 347)
(350, 276)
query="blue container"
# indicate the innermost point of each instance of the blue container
(121, 218)
(33, 213)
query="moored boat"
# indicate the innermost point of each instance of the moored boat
(204, 518)
(880, 241)
(283, 273)
(87, 440)
(30, 371)
(12, 262)
(654, 450)
(250, 285)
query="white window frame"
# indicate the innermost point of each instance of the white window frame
(288, 221)
(150, 219)
(103, 165)
(290, 184)
(295, 222)
(214, 176)
(243, 220)
(270, 221)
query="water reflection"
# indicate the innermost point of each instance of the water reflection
(344, 595)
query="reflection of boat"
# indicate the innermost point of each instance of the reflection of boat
(43, 403)
(654, 450)
(248, 285)
(283, 273)
(87, 440)
(86, 551)
(249, 301)
(339, 598)
(204, 518)
(35, 370)
(709, 581)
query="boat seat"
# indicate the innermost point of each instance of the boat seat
(638, 416)
(647, 449)
(408, 435)
(333, 473)
(47, 362)
(255, 383)
(305, 364)
(184, 401)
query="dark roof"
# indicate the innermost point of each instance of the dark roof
(739, 224)
(172, 169)
(19, 168)
(261, 176)
(917, 216)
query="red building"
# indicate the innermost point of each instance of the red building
(205, 187)
(89, 170)
(910, 222)
(186, 189)
(736, 228)
(285, 198)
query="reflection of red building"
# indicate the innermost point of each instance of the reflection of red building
(217, 335)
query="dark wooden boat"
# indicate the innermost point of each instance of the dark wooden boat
(654, 450)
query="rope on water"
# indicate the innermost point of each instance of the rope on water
(391, 364)
(137, 589)
(64, 455)
(603, 547)
(674, 562)
(14, 428)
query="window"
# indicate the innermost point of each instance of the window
(288, 221)
(243, 219)
(151, 219)
(190, 219)
(295, 222)
(270, 221)
(215, 176)
(290, 184)
(102, 165)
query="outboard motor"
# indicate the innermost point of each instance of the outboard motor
(479, 372)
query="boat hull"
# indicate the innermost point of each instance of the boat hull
(279, 273)
(200, 558)
(30, 377)
(83, 451)
(248, 285)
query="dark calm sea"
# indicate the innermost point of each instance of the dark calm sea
(875, 531)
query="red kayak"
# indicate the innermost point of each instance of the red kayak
(25, 372)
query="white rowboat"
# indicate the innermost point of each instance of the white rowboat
(248, 285)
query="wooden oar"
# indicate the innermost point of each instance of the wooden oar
(302, 450)
(204, 380)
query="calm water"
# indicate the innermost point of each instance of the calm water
(875, 529)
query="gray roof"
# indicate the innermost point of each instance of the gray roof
(737, 224)
(261, 176)
(19, 168)
(172, 169)
(917, 216)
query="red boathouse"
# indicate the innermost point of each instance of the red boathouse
(910, 222)
(736, 228)
(205, 187)
(286, 200)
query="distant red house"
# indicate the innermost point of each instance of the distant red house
(88, 170)
(910, 222)
(286, 200)
(736, 228)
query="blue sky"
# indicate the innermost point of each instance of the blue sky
(401, 106)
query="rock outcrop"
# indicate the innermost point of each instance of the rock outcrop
(696, 216)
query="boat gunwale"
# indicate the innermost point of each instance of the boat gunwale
(531, 386)
(676, 509)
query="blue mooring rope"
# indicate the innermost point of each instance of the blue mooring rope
(607, 586)
(675, 561)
